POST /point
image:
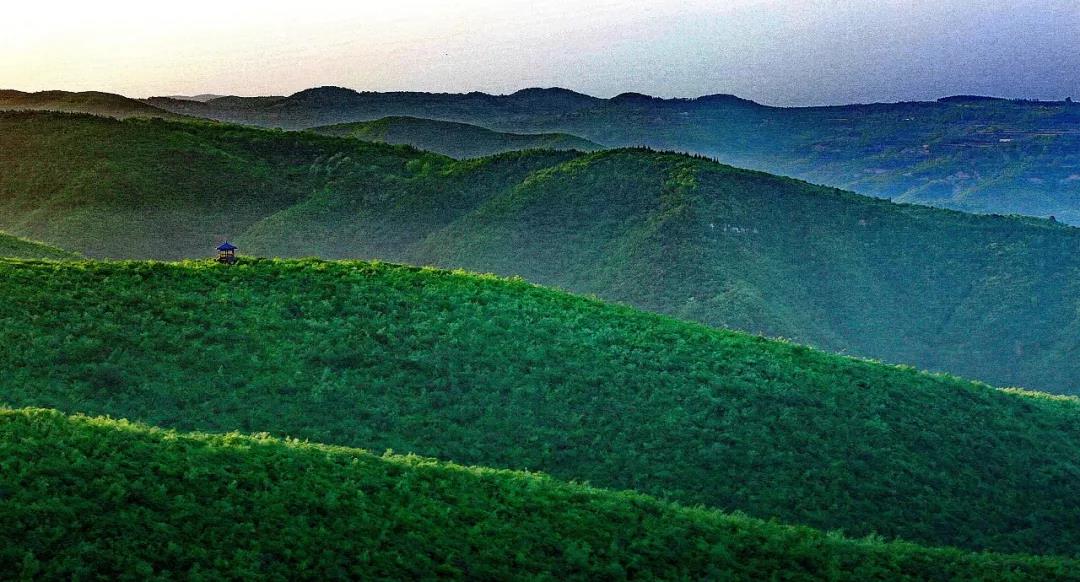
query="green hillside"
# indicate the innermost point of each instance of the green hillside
(93, 102)
(103, 498)
(457, 140)
(12, 247)
(990, 298)
(500, 373)
(968, 153)
(984, 297)
(146, 188)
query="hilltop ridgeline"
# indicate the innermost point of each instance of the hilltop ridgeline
(92, 102)
(967, 153)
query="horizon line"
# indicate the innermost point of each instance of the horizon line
(624, 94)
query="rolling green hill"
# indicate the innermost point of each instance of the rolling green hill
(103, 498)
(457, 140)
(974, 154)
(93, 102)
(991, 298)
(500, 373)
(146, 188)
(12, 247)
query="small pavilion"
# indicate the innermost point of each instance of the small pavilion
(226, 253)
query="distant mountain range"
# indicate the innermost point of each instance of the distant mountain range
(992, 298)
(203, 97)
(969, 153)
(458, 140)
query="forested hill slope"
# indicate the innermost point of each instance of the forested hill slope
(986, 297)
(147, 188)
(991, 298)
(501, 373)
(12, 247)
(968, 153)
(457, 140)
(94, 102)
(90, 495)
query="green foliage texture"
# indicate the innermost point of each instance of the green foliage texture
(991, 298)
(93, 498)
(484, 371)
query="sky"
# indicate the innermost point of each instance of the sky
(779, 52)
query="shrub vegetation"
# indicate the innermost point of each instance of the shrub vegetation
(97, 498)
(485, 371)
(985, 297)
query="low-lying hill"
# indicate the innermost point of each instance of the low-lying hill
(85, 496)
(94, 102)
(991, 298)
(12, 247)
(499, 373)
(967, 153)
(457, 140)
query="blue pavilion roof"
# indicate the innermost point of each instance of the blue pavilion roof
(225, 246)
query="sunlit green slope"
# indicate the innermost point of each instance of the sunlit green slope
(480, 370)
(13, 247)
(91, 497)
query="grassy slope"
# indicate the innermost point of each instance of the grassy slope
(500, 373)
(12, 247)
(985, 297)
(93, 102)
(89, 496)
(458, 140)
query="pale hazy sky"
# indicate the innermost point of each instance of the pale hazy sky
(774, 51)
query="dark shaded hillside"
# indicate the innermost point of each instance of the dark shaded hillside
(93, 102)
(501, 373)
(109, 498)
(389, 217)
(151, 189)
(967, 153)
(457, 140)
(12, 247)
(991, 298)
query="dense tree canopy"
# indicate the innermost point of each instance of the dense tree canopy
(485, 371)
(991, 298)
